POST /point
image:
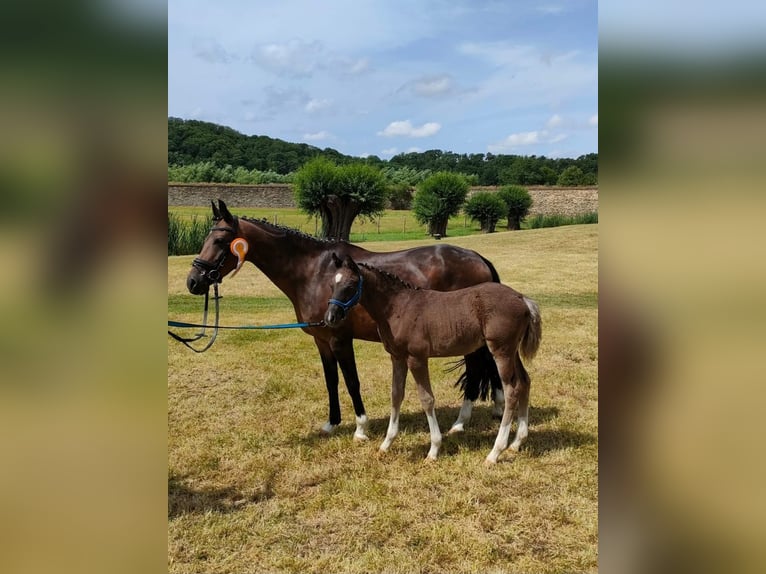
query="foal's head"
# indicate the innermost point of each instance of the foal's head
(222, 252)
(346, 290)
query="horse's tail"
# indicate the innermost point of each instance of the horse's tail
(480, 369)
(530, 342)
(492, 270)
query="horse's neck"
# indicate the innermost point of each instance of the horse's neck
(381, 295)
(280, 256)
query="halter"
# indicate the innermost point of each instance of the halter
(211, 272)
(351, 302)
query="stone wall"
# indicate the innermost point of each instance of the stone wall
(545, 200)
(200, 194)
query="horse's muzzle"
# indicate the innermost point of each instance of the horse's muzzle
(197, 286)
(334, 316)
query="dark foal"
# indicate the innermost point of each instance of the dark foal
(415, 324)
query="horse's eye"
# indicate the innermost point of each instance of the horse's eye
(219, 241)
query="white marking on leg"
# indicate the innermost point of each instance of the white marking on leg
(499, 396)
(501, 442)
(436, 435)
(463, 417)
(393, 430)
(328, 427)
(521, 433)
(361, 429)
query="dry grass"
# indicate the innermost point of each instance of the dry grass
(254, 488)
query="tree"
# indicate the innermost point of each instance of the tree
(486, 208)
(571, 176)
(517, 202)
(400, 196)
(438, 198)
(339, 194)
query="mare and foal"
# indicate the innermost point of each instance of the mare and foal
(415, 324)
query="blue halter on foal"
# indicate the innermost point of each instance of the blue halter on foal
(351, 302)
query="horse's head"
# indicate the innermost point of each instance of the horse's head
(346, 290)
(220, 252)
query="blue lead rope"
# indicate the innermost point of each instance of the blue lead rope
(282, 326)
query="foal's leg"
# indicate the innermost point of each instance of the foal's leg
(343, 349)
(419, 368)
(505, 366)
(522, 380)
(398, 380)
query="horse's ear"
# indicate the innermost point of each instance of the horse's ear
(351, 264)
(336, 260)
(216, 213)
(225, 213)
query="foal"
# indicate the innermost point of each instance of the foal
(415, 324)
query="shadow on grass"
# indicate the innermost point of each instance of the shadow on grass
(184, 499)
(480, 432)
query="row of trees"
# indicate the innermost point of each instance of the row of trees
(193, 142)
(340, 193)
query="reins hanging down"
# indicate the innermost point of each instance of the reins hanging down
(187, 340)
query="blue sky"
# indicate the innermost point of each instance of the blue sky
(381, 77)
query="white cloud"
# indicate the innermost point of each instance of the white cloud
(391, 151)
(593, 120)
(551, 9)
(414, 149)
(431, 86)
(522, 139)
(211, 51)
(554, 121)
(315, 105)
(292, 58)
(406, 129)
(356, 67)
(323, 135)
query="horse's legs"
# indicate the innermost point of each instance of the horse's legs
(343, 349)
(505, 366)
(522, 380)
(419, 368)
(330, 367)
(398, 380)
(480, 372)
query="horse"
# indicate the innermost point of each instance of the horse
(415, 324)
(297, 264)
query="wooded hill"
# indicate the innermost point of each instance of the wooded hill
(194, 141)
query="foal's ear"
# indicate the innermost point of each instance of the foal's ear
(351, 264)
(224, 212)
(216, 213)
(336, 260)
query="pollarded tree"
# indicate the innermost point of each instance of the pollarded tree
(339, 194)
(486, 208)
(438, 198)
(517, 203)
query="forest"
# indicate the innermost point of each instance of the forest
(199, 151)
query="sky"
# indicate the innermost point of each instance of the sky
(382, 77)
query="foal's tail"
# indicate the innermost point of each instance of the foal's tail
(530, 342)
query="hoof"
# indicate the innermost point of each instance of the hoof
(327, 428)
(429, 460)
(456, 429)
(514, 447)
(361, 437)
(489, 463)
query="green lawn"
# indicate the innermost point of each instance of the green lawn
(253, 487)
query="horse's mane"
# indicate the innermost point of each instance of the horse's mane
(388, 276)
(291, 231)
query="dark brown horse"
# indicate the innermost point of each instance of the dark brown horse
(299, 266)
(415, 324)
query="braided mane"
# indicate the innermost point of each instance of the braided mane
(390, 277)
(291, 231)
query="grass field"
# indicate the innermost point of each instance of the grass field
(253, 487)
